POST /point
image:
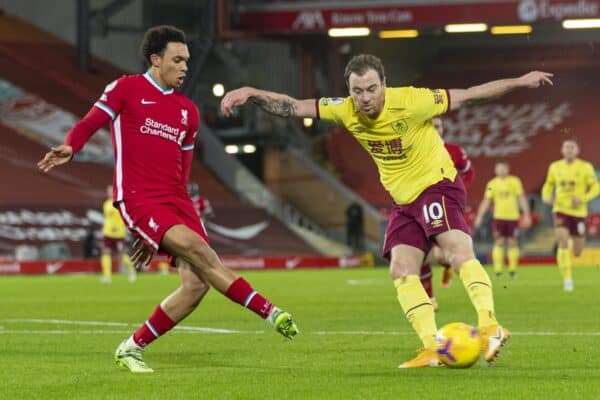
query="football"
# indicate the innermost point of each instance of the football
(458, 345)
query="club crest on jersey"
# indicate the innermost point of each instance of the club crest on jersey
(184, 116)
(153, 225)
(400, 126)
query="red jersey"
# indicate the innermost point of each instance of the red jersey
(153, 132)
(461, 163)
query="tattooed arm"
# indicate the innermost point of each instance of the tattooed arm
(271, 102)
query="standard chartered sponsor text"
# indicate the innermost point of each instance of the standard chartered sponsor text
(155, 128)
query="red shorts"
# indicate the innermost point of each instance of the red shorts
(575, 225)
(438, 209)
(505, 228)
(113, 244)
(150, 219)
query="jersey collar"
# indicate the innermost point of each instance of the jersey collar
(150, 79)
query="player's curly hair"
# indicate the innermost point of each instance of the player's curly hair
(361, 63)
(157, 38)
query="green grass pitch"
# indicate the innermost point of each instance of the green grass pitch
(58, 335)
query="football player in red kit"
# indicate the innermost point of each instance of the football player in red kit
(153, 128)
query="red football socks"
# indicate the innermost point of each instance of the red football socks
(426, 275)
(242, 293)
(158, 324)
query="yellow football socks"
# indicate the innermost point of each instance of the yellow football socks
(498, 258)
(479, 287)
(106, 263)
(127, 262)
(565, 263)
(513, 258)
(417, 308)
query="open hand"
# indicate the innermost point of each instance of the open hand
(234, 98)
(56, 156)
(536, 79)
(141, 254)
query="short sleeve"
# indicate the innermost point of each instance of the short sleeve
(425, 103)
(334, 109)
(518, 187)
(190, 137)
(591, 174)
(112, 100)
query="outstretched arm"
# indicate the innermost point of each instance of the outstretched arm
(75, 139)
(490, 90)
(277, 104)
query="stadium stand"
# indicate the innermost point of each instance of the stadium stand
(80, 186)
(525, 128)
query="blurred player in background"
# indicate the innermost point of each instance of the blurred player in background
(114, 233)
(201, 203)
(154, 128)
(394, 126)
(570, 185)
(505, 193)
(466, 172)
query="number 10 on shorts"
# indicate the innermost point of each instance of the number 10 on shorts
(433, 211)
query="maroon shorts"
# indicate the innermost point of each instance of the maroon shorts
(505, 228)
(575, 225)
(113, 244)
(151, 218)
(438, 209)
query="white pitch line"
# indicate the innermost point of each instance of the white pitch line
(320, 333)
(61, 332)
(90, 332)
(365, 282)
(65, 322)
(108, 323)
(202, 329)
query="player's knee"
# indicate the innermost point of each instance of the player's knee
(206, 255)
(400, 268)
(195, 290)
(459, 255)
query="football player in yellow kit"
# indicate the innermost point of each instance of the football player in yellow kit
(570, 184)
(505, 192)
(393, 124)
(114, 233)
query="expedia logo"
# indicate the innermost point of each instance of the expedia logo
(533, 10)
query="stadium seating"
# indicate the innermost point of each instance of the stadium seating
(81, 185)
(532, 123)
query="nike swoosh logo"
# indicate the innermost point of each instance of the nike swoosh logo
(53, 267)
(148, 102)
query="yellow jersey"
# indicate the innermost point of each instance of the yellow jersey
(409, 153)
(113, 226)
(504, 193)
(568, 180)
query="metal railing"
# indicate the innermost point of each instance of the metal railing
(248, 187)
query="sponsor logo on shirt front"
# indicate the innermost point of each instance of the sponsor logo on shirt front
(165, 131)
